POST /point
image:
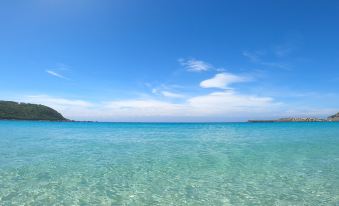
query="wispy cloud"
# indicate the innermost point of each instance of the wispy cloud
(194, 65)
(57, 102)
(56, 74)
(223, 80)
(253, 56)
(172, 94)
(257, 57)
(279, 65)
(283, 50)
(165, 93)
(169, 91)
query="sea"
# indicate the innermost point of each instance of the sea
(87, 163)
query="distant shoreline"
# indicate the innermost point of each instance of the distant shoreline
(17, 111)
(244, 122)
(333, 118)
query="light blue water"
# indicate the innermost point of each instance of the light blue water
(44, 163)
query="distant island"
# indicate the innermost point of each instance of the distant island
(10, 110)
(333, 118)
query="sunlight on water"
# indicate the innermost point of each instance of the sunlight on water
(44, 163)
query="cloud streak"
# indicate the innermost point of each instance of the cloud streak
(256, 57)
(194, 65)
(164, 91)
(223, 80)
(172, 94)
(55, 74)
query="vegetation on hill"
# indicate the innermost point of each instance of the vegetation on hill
(22, 111)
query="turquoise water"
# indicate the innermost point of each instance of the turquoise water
(45, 163)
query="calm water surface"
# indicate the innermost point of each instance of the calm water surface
(44, 163)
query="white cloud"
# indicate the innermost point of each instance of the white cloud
(223, 80)
(57, 102)
(70, 108)
(194, 65)
(142, 107)
(155, 91)
(165, 93)
(224, 105)
(216, 103)
(53, 73)
(230, 102)
(215, 106)
(172, 94)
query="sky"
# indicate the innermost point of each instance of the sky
(143, 60)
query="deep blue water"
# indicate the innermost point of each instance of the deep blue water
(49, 163)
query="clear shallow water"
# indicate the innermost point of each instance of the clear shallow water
(43, 163)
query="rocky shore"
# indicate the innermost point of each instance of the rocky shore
(333, 118)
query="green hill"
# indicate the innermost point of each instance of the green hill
(22, 111)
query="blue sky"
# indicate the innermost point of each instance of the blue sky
(172, 60)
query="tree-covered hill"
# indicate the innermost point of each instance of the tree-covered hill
(22, 111)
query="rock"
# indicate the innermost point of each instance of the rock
(333, 118)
